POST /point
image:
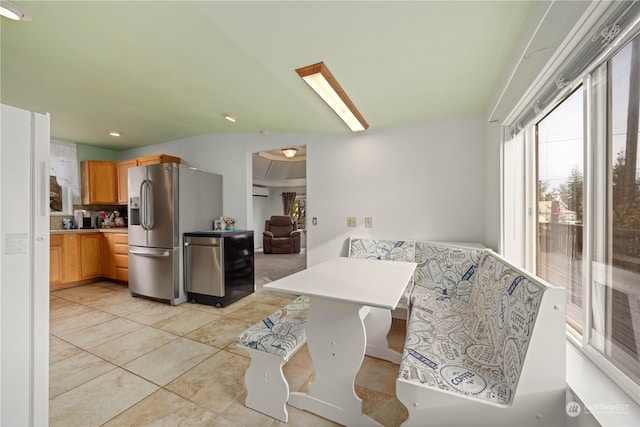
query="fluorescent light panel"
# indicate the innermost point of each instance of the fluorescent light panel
(327, 87)
(12, 11)
(232, 118)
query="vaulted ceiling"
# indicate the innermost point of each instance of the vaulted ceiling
(164, 70)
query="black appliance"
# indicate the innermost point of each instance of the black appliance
(218, 266)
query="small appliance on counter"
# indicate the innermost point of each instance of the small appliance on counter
(84, 218)
(218, 266)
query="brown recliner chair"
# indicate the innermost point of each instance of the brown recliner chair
(281, 235)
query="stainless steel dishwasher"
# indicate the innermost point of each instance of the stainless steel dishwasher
(218, 266)
(204, 265)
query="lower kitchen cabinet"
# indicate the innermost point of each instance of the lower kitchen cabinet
(90, 255)
(116, 256)
(121, 256)
(56, 267)
(79, 258)
(70, 258)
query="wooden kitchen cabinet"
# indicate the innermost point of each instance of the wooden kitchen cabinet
(90, 255)
(158, 158)
(108, 256)
(123, 176)
(75, 259)
(98, 182)
(70, 258)
(56, 267)
(105, 183)
(121, 257)
(116, 256)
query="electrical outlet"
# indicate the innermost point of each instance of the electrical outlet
(352, 221)
(368, 222)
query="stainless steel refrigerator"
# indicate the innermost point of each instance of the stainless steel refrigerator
(165, 201)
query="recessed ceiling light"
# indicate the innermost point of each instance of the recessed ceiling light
(12, 11)
(232, 118)
(115, 133)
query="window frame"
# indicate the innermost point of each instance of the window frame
(592, 131)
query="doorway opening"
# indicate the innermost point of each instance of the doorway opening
(279, 189)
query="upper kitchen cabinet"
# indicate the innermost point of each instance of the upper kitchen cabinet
(98, 182)
(105, 183)
(123, 176)
(158, 158)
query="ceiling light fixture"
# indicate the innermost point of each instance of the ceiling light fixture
(289, 152)
(11, 11)
(327, 87)
(115, 133)
(230, 117)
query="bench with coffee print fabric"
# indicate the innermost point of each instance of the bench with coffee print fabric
(271, 343)
(486, 347)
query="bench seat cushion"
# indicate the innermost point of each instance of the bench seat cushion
(477, 348)
(450, 271)
(280, 333)
(446, 349)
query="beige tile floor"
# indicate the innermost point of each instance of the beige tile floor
(122, 361)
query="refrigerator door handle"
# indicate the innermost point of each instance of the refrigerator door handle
(146, 205)
(143, 209)
(159, 253)
(148, 201)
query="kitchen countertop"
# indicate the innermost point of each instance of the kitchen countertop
(217, 233)
(124, 230)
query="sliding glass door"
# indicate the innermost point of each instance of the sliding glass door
(560, 148)
(588, 208)
(615, 270)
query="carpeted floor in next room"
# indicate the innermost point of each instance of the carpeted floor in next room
(269, 267)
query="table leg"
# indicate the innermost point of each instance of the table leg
(336, 340)
(378, 324)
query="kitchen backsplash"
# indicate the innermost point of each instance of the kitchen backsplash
(57, 222)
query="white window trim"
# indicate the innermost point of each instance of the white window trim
(603, 366)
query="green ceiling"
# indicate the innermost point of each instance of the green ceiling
(165, 70)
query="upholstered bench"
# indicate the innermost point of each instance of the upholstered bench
(445, 269)
(481, 356)
(271, 343)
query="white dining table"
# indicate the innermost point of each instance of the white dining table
(349, 316)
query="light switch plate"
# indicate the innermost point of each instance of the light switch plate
(368, 222)
(352, 221)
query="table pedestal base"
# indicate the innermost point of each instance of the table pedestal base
(337, 341)
(377, 324)
(331, 412)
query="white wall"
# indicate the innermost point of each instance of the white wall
(260, 212)
(424, 181)
(492, 187)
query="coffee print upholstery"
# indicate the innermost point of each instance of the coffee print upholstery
(473, 348)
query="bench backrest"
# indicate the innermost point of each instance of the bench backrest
(506, 302)
(392, 250)
(449, 270)
(388, 250)
(446, 269)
